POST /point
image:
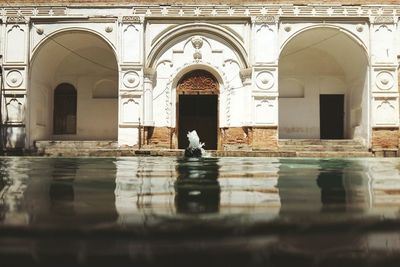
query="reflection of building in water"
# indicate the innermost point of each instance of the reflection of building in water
(197, 189)
(144, 186)
(148, 186)
(14, 182)
(59, 191)
(385, 186)
(323, 185)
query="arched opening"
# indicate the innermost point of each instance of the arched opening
(323, 87)
(86, 62)
(197, 108)
(64, 112)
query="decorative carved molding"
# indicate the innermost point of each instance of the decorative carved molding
(198, 82)
(245, 75)
(383, 20)
(266, 14)
(266, 19)
(16, 19)
(136, 19)
(197, 43)
(149, 73)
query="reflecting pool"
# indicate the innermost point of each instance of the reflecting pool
(152, 211)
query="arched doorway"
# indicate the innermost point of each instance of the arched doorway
(323, 86)
(86, 62)
(197, 108)
(64, 111)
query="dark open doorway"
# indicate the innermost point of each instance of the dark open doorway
(200, 113)
(331, 116)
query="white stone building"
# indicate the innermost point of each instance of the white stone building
(240, 75)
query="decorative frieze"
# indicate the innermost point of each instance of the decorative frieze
(265, 13)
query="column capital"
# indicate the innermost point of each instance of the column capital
(245, 75)
(149, 73)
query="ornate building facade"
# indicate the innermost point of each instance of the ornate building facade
(243, 76)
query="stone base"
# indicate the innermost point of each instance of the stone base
(235, 138)
(385, 139)
(265, 138)
(158, 137)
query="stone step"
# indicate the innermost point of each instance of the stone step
(322, 148)
(318, 142)
(76, 144)
(334, 154)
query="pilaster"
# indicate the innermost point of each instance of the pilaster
(384, 80)
(14, 84)
(131, 80)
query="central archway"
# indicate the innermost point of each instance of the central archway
(197, 108)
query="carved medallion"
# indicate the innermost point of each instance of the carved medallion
(198, 82)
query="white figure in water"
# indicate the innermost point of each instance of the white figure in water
(195, 148)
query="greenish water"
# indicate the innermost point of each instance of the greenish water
(254, 208)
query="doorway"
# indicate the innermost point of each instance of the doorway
(200, 113)
(331, 110)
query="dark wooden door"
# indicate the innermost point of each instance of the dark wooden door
(331, 116)
(200, 113)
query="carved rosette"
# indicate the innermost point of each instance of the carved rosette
(14, 78)
(198, 82)
(384, 80)
(265, 80)
(131, 79)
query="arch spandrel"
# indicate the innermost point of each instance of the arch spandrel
(172, 37)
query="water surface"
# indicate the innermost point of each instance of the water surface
(145, 210)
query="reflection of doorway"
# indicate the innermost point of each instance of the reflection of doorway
(197, 108)
(333, 194)
(331, 116)
(198, 112)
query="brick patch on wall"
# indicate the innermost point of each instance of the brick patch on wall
(158, 137)
(264, 138)
(235, 138)
(385, 138)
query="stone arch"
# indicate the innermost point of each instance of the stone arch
(50, 37)
(350, 34)
(180, 32)
(336, 63)
(81, 58)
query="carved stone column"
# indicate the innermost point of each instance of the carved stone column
(148, 119)
(246, 75)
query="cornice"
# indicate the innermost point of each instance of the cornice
(217, 11)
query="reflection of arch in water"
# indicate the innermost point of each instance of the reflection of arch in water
(312, 185)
